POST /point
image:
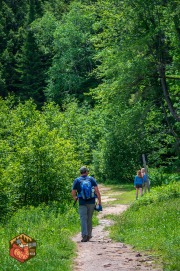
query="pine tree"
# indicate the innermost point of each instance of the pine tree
(30, 66)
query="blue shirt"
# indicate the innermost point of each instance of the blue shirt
(138, 180)
(77, 186)
(145, 178)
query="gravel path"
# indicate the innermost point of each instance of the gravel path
(103, 254)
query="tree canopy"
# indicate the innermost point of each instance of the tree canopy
(86, 82)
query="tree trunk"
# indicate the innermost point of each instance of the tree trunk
(166, 93)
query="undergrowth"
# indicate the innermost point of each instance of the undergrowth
(152, 223)
(52, 232)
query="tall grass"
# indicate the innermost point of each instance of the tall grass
(152, 223)
(52, 232)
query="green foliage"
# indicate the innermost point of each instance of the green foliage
(159, 177)
(161, 193)
(42, 151)
(76, 123)
(43, 29)
(73, 63)
(52, 231)
(118, 56)
(133, 42)
(30, 64)
(56, 7)
(125, 137)
(38, 163)
(152, 224)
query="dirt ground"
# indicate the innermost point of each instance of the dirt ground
(103, 254)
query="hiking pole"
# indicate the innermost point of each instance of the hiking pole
(75, 201)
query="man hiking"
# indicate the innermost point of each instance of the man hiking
(85, 190)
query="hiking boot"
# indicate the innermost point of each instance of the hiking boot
(89, 237)
(85, 238)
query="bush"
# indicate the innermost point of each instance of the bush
(37, 162)
(159, 177)
(160, 193)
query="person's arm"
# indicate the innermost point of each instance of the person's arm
(98, 194)
(135, 182)
(74, 194)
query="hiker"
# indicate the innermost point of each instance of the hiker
(138, 182)
(146, 182)
(86, 204)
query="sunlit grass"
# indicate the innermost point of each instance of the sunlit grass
(52, 232)
(122, 194)
(125, 198)
(153, 224)
(149, 224)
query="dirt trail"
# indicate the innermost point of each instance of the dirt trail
(103, 254)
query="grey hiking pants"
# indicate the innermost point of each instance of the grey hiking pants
(86, 213)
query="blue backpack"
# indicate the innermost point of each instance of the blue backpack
(87, 190)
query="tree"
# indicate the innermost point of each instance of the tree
(130, 50)
(13, 16)
(30, 66)
(71, 71)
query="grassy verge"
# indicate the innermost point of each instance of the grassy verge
(52, 232)
(122, 194)
(152, 224)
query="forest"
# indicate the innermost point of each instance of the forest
(95, 83)
(92, 82)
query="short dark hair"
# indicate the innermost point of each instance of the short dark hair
(83, 170)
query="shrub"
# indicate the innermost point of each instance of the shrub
(159, 177)
(38, 163)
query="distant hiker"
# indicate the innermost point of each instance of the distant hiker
(146, 182)
(138, 182)
(85, 190)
